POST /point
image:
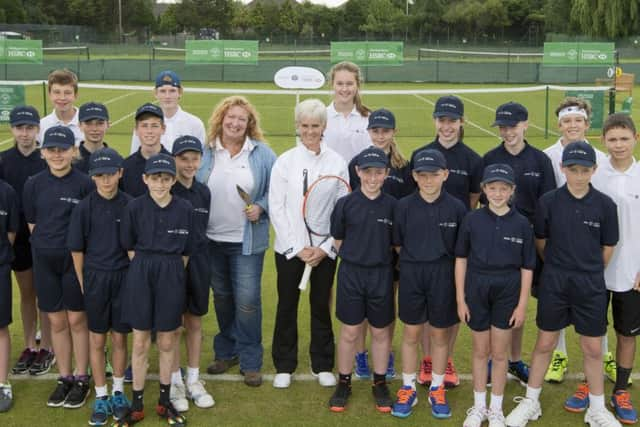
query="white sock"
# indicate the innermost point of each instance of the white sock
(436, 380)
(176, 377)
(605, 345)
(533, 393)
(118, 384)
(596, 402)
(409, 380)
(496, 403)
(101, 391)
(562, 342)
(193, 374)
(480, 399)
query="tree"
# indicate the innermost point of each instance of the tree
(242, 18)
(382, 18)
(196, 14)
(289, 20)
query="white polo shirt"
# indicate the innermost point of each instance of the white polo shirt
(52, 120)
(554, 152)
(346, 135)
(624, 189)
(180, 124)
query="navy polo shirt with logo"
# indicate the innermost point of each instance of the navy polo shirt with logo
(496, 243)
(83, 163)
(131, 181)
(199, 196)
(9, 220)
(398, 184)
(365, 227)
(427, 231)
(576, 229)
(48, 201)
(95, 230)
(533, 173)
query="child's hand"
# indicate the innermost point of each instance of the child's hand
(518, 317)
(463, 312)
(316, 257)
(253, 212)
(305, 254)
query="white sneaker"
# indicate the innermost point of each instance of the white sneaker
(600, 418)
(178, 397)
(325, 378)
(527, 410)
(496, 418)
(282, 381)
(475, 417)
(201, 398)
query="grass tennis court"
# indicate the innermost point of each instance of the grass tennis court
(305, 403)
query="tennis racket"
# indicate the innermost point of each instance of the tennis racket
(319, 200)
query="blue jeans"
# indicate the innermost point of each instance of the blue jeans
(235, 280)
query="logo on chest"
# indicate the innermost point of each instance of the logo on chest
(513, 239)
(71, 200)
(179, 231)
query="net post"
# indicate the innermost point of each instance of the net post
(508, 61)
(546, 112)
(153, 53)
(612, 100)
(44, 98)
(88, 55)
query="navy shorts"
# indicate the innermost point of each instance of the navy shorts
(365, 293)
(626, 315)
(102, 300)
(491, 298)
(572, 297)
(5, 296)
(198, 282)
(22, 259)
(154, 293)
(427, 293)
(55, 280)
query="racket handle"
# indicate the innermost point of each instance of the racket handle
(305, 278)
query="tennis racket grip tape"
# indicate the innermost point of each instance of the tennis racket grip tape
(305, 277)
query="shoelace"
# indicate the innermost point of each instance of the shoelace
(438, 396)
(450, 369)
(623, 400)
(582, 392)
(426, 365)
(476, 412)
(404, 395)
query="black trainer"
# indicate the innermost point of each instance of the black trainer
(169, 413)
(57, 398)
(25, 361)
(78, 394)
(43, 362)
(338, 401)
(382, 396)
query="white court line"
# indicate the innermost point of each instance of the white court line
(477, 126)
(117, 98)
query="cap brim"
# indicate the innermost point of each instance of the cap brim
(580, 162)
(373, 165)
(428, 168)
(93, 117)
(153, 113)
(56, 144)
(24, 122)
(182, 150)
(160, 170)
(510, 123)
(496, 179)
(381, 126)
(454, 116)
(106, 170)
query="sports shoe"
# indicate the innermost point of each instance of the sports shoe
(43, 362)
(489, 367)
(78, 394)
(496, 418)
(391, 367)
(426, 371)
(450, 375)
(220, 366)
(128, 375)
(57, 398)
(24, 362)
(340, 396)
(199, 395)
(169, 413)
(120, 405)
(406, 399)
(475, 417)
(130, 418)
(557, 367)
(438, 400)
(6, 397)
(178, 397)
(101, 411)
(362, 370)
(325, 378)
(282, 380)
(519, 370)
(600, 418)
(38, 336)
(526, 410)
(610, 367)
(382, 397)
(579, 402)
(623, 408)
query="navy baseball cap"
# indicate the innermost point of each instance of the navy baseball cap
(58, 136)
(149, 108)
(186, 143)
(91, 111)
(449, 106)
(498, 172)
(24, 115)
(372, 157)
(104, 161)
(160, 163)
(382, 118)
(167, 77)
(578, 153)
(429, 161)
(510, 114)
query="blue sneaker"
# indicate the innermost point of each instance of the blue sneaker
(101, 412)
(406, 399)
(120, 405)
(128, 375)
(579, 402)
(621, 404)
(362, 370)
(391, 368)
(438, 400)
(519, 370)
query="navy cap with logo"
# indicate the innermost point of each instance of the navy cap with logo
(429, 161)
(578, 153)
(167, 77)
(149, 108)
(449, 106)
(93, 111)
(510, 114)
(160, 163)
(24, 115)
(498, 172)
(58, 136)
(186, 143)
(104, 161)
(372, 157)
(382, 118)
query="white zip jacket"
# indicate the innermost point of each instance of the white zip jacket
(286, 195)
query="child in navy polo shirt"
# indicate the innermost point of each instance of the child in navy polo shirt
(361, 224)
(187, 151)
(101, 267)
(495, 258)
(157, 230)
(94, 122)
(425, 230)
(576, 229)
(48, 199)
